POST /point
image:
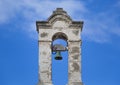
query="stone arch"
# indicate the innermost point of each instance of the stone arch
(59, 35)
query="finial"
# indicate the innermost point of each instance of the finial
(59, 11)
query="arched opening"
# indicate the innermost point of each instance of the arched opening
(60, 67)
(60, 35)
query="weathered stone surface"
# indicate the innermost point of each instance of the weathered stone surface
(45, 77)
(44, 53)
(44, 34)
(75, 66)
(75, 50)
(44, 83)
(74, 77)
(76, 83)
(76, 56)
(76, 32)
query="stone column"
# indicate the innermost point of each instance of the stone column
(45, 63)
(74, 63)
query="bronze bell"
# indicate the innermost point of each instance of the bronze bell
(58, 55)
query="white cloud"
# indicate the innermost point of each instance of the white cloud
(8, 9)
(98, 27)
(43, 9)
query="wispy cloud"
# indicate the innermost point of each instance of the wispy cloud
(32, 10)
(98, 27)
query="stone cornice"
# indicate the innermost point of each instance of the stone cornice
(44, 40)
(76, 25)
(43, 24)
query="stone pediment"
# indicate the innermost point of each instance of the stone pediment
(59, 20)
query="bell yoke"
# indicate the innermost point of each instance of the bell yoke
(58, 48)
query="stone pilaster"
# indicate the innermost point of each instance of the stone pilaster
(45, 77)
(74, 63)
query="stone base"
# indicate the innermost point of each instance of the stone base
(42, 83)
(75, 83)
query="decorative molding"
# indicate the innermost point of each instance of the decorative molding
(44, 40)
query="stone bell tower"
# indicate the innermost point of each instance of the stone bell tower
(59, 26)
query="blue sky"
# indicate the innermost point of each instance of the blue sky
(100, 36)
